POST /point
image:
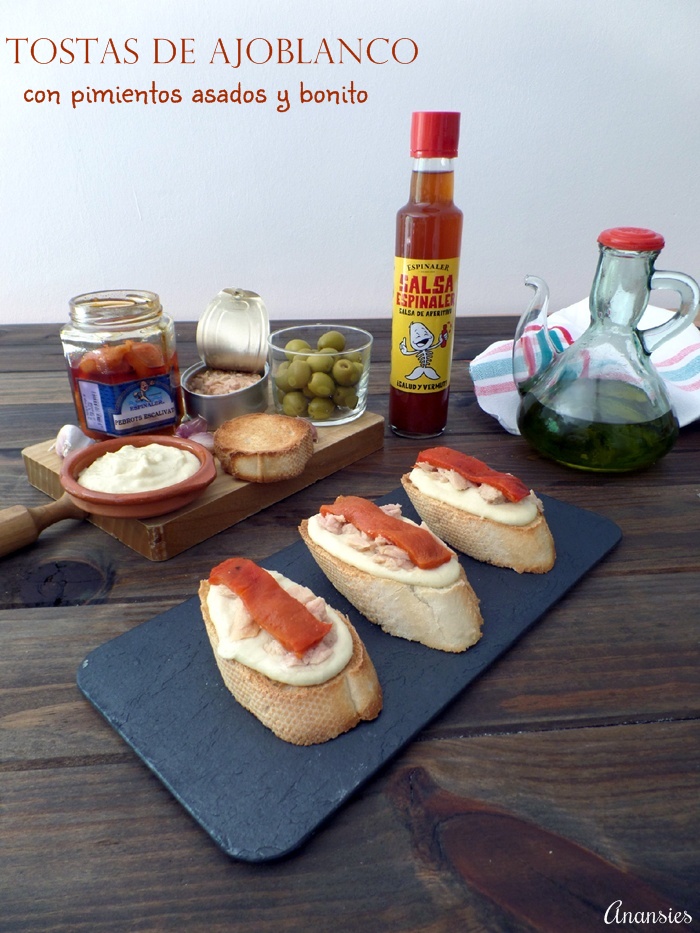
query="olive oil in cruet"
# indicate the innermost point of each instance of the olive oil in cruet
(600, 404)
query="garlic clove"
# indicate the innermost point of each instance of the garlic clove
(69, 439)
(204, 438)
(192, 426)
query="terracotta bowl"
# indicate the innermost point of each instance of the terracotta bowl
(136, 504)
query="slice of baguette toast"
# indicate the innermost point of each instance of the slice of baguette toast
(523, 548)
(447, 618)
(264, 447)
(302, 715)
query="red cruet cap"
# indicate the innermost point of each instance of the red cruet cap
(636, 239)
(434, 135)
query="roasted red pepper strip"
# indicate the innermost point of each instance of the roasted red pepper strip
(424, 549)
(271, 606)
(475, 471)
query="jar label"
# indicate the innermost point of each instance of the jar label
(128, 407)
(425, 298)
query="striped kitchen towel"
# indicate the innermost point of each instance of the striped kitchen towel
(677, 361)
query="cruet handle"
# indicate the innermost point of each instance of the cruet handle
(533, 349)
(689, 291)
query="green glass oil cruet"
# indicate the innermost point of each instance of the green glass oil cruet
(600, 404)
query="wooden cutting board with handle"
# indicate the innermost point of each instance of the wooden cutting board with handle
(223, 504)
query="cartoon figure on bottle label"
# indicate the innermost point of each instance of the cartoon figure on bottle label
(422, 343)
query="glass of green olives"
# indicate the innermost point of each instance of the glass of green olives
(320, 372)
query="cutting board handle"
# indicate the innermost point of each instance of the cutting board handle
(20, 526)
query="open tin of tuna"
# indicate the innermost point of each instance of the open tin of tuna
(232, 343)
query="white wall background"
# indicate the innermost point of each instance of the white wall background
(575, 117)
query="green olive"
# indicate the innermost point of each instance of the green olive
(322, 385)
(298, 374)
(345, 397)
(295, 404)
(320, 362)
(293, 347)
(344, 373)
(281, 377)
(321, 409)
(354, 356)
(333, 339)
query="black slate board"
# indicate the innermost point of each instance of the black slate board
(258, 797)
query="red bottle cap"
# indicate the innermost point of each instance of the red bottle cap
(636, 239)
(434, 135)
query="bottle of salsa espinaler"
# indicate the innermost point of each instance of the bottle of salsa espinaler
(426, 268)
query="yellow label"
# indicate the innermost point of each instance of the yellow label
(425, 299)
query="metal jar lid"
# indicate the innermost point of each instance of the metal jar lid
(232, 333)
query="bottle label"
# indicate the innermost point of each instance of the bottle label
(128, 407)
(425, 299)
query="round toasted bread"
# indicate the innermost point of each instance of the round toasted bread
(523, 548)
(264, 447)
(447, 618)
(303, 715)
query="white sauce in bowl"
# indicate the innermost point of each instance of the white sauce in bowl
(139, 469)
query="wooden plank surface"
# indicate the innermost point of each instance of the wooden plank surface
(226, 501)
(118, 853)
(585, 732)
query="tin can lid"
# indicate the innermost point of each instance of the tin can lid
(232, 333)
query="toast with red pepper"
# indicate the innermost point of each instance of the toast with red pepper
(289, 658)
(399, 575)
(491, 516)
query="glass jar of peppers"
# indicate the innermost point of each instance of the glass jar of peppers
(122, 363)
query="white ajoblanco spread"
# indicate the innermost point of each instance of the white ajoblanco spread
(444, 575)
(265, 654)
(469, 500)
(139, 469)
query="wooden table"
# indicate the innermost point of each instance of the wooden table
(562, 781)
